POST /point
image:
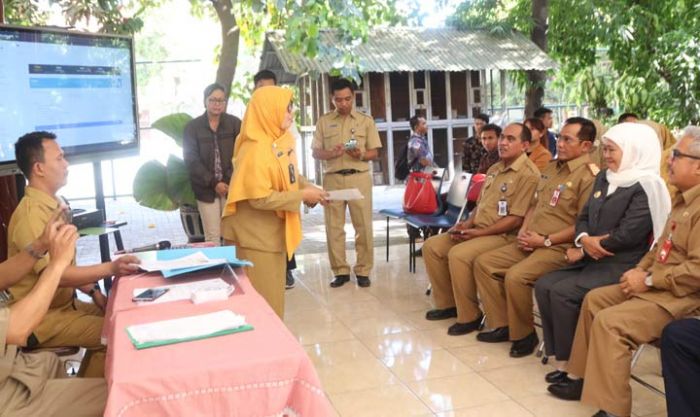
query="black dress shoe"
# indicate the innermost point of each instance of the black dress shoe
(555, 376)
(441, 314)
(524, 346)
(289, 283)
(601, 413)
(494, 336)
(339, 280)
(363, 281)
(418, 252)
(568, 389)
(459, 329)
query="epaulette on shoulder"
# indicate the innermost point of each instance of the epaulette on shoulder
(593, 168)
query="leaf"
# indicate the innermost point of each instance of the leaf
(178, 182)
(151, 185)
(173, 125)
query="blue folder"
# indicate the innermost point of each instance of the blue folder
(216, 252)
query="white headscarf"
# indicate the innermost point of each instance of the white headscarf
(641, 156)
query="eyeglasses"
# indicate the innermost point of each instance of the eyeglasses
(675, 154)
(216, 100)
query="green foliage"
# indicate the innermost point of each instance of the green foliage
(652, 47)
(173, 125)
(24, 13)
(165, 187)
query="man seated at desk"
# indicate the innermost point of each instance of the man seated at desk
(29, 384)
(68, 322)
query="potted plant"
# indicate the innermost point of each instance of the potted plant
(167, 187)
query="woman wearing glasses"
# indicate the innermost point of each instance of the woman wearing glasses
(625, 213)
(261, 216)
(207, 149)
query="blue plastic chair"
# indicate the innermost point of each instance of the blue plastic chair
(398, 213)
(456, 206)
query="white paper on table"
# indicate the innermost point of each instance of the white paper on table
(184, 291)
(186, 327)
(196, 259)
(345, 195)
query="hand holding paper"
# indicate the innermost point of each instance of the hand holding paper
(345, 195)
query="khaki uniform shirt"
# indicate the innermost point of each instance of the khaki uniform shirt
(26, 225)
(676, 282)
(514, 184)
(333, 129)
(22, 376)
(561, 194)
(256, 225)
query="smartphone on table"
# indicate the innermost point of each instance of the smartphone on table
(150, 294)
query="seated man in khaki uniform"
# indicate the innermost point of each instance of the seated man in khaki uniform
(68, 322)
(505, 276)
(504, 200)
(664, 286)
(29, 384)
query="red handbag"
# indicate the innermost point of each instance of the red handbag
(420, 196)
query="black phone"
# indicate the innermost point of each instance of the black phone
(150, 294)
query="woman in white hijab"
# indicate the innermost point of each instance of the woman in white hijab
(626, 211)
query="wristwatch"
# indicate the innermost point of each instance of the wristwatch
(547, 242)
(33, 252)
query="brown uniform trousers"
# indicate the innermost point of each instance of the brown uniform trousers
(68, 322)
(35, 384)
(347, 172)
(449, 263)
(611, 326)
(505, 276)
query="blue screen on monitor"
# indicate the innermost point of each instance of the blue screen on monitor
(79, 86)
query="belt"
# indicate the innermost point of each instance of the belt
(345, 172)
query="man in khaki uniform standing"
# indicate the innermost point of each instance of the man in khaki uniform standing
(345, 140)
(664, 286)
(505, 276)
(503, 202)
(29, 382)
(68, 322)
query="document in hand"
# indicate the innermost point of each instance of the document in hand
(185, 329)
(345, 195)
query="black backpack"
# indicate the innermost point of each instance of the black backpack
(401, 166)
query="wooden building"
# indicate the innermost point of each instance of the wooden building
(445, 74)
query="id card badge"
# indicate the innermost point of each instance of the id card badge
(667, 246)
(502, 208)
(555, 197)
(292, 174)
(665, 251)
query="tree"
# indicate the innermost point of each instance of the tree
(652, 48)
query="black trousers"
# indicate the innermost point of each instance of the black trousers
(292, 263)
(680, 357)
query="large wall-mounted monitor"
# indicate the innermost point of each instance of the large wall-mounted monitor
(80, 86)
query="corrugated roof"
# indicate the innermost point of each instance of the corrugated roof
(419, 49)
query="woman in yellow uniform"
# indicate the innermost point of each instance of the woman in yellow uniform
(261, 216)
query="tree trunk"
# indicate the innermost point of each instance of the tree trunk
(230, 35)
(534, 92)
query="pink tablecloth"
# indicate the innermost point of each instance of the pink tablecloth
(264, 372)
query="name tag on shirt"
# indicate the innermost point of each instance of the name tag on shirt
(502, 208)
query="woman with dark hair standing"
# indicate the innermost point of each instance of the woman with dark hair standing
(207, 149)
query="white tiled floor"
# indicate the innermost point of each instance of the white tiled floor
(376, 355)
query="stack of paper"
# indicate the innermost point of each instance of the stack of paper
(185, 329)
(175, 262)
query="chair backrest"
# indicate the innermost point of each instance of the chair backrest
(458, 189)
(439, 175)
(456, 196)
(477, 182)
